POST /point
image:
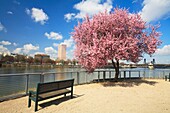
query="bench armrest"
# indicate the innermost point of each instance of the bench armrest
(32, 92)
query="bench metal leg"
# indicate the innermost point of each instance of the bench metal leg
(71, 95)
(36, 106)
(71, 92)
(29, 102)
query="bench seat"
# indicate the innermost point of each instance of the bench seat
(54, 93)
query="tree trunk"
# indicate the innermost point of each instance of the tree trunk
(116, 66)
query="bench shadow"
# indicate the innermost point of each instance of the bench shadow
(128, 83)
(57, 101)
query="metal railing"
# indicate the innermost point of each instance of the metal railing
(13, 85)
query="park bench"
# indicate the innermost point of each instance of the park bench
(50, 90)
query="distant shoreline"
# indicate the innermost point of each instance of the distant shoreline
(38, 66)
(24, 65)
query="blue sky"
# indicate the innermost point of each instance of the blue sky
(38, 26)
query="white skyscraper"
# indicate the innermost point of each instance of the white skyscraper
(62, 52)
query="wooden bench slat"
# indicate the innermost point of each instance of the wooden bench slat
(53, 93)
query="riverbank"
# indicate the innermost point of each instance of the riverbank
(143, 96)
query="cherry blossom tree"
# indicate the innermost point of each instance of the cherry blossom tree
(115, 36)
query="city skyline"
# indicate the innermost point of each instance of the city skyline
(33, 27)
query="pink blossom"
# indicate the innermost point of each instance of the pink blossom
(119, 35)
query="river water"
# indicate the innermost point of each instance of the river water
(15, 70)
(11, 85)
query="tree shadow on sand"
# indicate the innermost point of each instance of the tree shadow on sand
(128, 83)
(57, 101)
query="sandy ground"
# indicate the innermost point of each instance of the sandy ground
(136, 96)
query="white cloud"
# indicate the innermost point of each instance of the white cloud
(33, 54)
(27, 48)
(2, 28)
(51, 51)
(69, 16)
(5, 42)
(53, 36)
(15, 44)
(16, 2)
(69, 42)
(18, 50)
(39, 53)
(155, 9)
(36, 53)
(134, 1)
(163, 51)
(4, 50)
(38, 15)
(9, 12)
(27, 11)
(55, 44)
(89, 7)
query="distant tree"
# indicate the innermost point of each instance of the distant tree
(57, 61)
(29, 59)
(74, 61)
(115, 36)
(7, 59)
(53, 61)
(62, 62)
(20, 58)
(68, 61)
(37, 61)
(50, 61)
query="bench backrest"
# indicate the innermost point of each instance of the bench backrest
(52, 86)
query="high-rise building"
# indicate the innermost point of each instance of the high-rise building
(62, 52)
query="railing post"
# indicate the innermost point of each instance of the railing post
(124, 74)
(71, 74)
(98, 76)
(163, 74)
(26, 86)
(165, 78)
(110, 74)
(120, 74)
(130, 74)
(104, 75)
(139, 74)
(42, 77)
(144, 74)
(78, 78)
(85, 78)
(54, 76)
